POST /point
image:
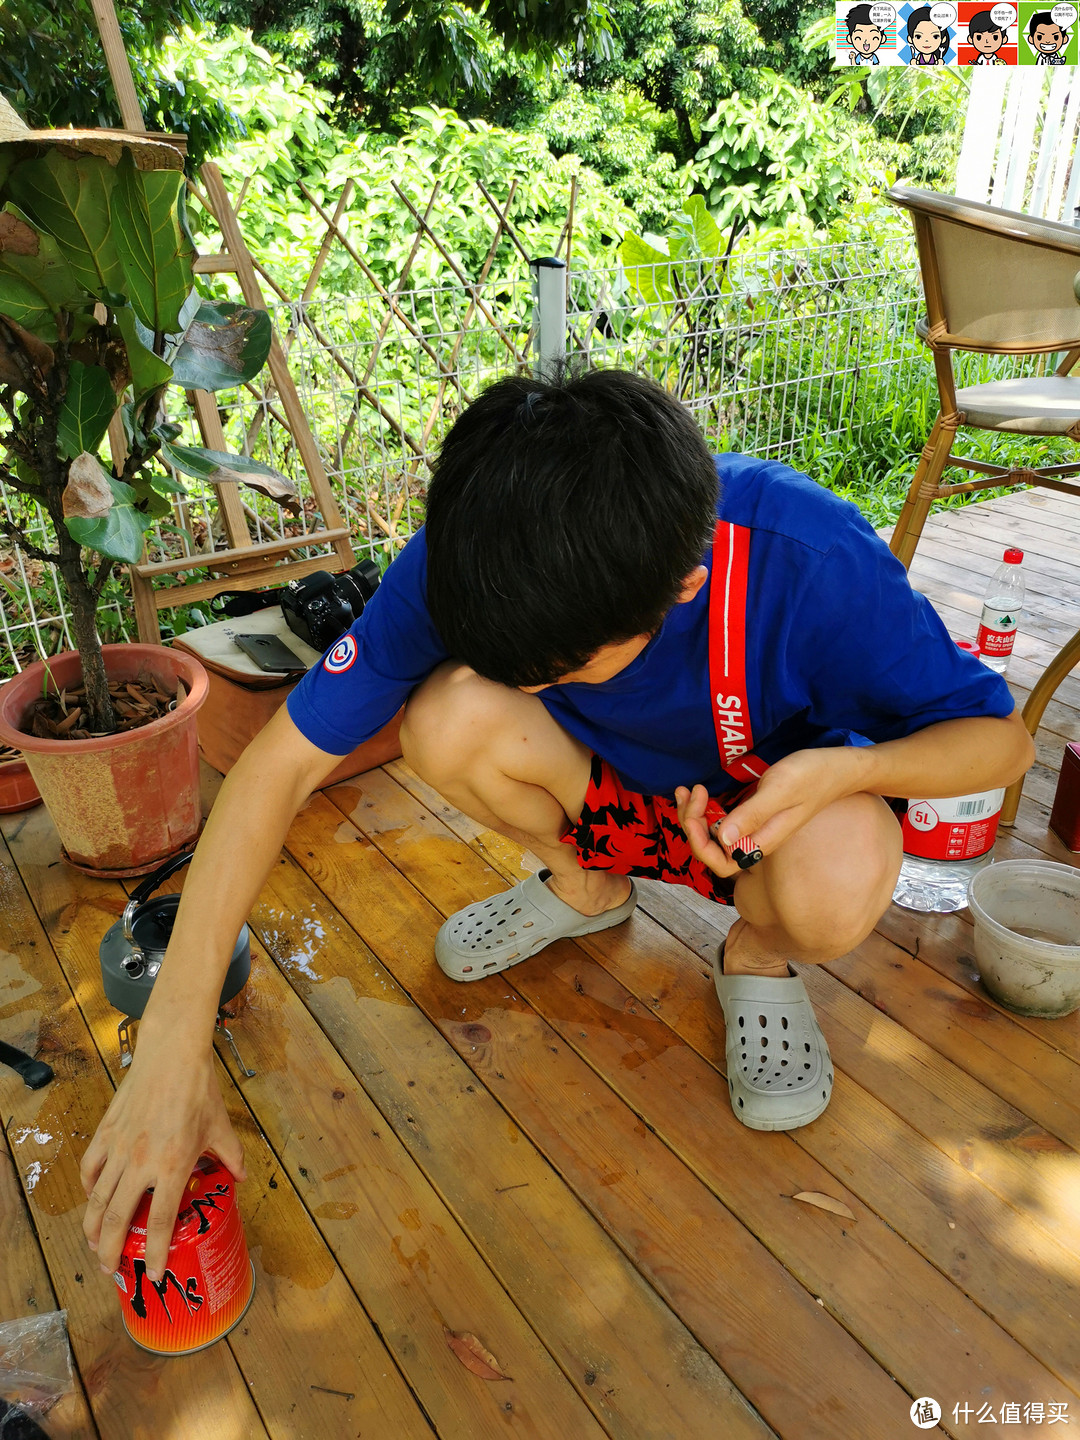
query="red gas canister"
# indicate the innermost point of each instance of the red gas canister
(208, 1281)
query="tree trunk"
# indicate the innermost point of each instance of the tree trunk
(87, 640)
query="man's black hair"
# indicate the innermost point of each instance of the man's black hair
(984, 22)
(562, 517)
(859, 15)
(1041, 17)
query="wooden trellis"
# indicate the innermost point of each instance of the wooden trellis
(251, 561)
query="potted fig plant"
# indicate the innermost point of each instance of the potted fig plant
(99, 316)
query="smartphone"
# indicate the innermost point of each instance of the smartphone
(269, 652)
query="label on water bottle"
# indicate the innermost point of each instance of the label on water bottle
(963, 828)
(997, 631)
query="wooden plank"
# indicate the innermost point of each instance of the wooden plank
(131, 1393)
(25, 1289)
(279, 366)
(938, 1206)
(963, 588)
(228, 496)
(958, 551)
(222, 559)
(280, 574)
(678, 1093)
(982, 1039)
(305, 1326)
(955, 527)
(1038, 539)
(631, 1358)
(788, 1356)
(401, 1247)
(112, 42)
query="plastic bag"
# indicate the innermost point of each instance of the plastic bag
(35, 1368)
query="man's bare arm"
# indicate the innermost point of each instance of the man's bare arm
(169, 1109)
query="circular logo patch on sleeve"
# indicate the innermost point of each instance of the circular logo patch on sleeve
(341, 656)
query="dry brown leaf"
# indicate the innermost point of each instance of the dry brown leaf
(16, 237)
(66, 726)
(824, 1202)
(181, 693)
(87, 493)
(17, 344)
(473, 1356)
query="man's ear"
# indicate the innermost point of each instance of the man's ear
(692, 584)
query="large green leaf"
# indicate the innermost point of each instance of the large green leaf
(35, 286)
(70, 199)
(88, 407)
(156, 256)
(118, 534)
(224, 345)
(222, 469)
(648, 270)
(148, 371)
(709, 238)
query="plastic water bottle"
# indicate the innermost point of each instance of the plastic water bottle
(946, 842)
(1002, 605)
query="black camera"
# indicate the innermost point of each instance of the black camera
(321, 607)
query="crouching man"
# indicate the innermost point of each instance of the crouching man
(636, 659)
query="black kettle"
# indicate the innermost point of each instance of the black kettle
(133, 948)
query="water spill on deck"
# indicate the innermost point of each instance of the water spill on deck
(16, 982)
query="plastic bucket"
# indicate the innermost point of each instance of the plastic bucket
(1027, 935)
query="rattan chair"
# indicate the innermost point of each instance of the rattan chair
(998, 283)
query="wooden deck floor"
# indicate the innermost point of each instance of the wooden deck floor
(548, 1158)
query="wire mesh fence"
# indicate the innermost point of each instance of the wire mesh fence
(767, 349)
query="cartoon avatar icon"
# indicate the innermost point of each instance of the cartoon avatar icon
(864, 37)
(929, 42)
(987, 38)
(1047, 38)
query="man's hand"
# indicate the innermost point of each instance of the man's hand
(789, 794)
(953, 757)
(167, 1112)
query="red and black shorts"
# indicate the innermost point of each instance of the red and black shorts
(640, 835)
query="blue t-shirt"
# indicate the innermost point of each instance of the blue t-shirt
(839, 650)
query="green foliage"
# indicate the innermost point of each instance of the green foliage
(97, 234)
(681, 55)
(780, 154)
(225, 345)
(291, 140)
(88, 406)
(381, 59)
(119, 533)
(52, 69)
(620, 135)
(70, 201)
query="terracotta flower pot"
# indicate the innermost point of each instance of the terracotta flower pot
(17, 788)
(121, 803)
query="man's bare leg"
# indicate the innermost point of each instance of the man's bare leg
(820, 894)
(497, 754)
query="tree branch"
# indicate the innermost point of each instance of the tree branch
(11, 531)
(9, 477)
(105, 569)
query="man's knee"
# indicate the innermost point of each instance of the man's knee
(448, 720)
(847, 874)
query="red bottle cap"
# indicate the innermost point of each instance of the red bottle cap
(1013, 557)
(969, 646)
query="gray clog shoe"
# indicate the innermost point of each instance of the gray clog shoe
(780, 1073)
